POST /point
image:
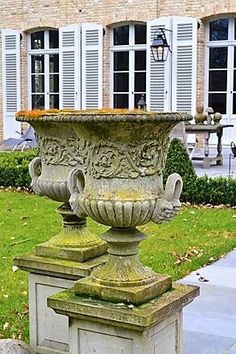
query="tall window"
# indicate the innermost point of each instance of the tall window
(44, 69)
(128, 58)
(221, 54)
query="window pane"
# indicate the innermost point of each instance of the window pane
(121, 61)
(53, 39)
(218, 57)
(140, 34)
(121, 35)
(121, 101)
(234, 57)
(37, 40)
(137, 98)
(219, 30)
(54, 63)
(54, 101)
(54, 83)
(140, 60)
(218, 102)
(37, 63)
(38, 102)
(234, 88)
(140, 82)
(121, 82)
(37, 83)
(234, 103)
(217, 80)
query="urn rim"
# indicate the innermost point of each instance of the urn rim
(99, 116)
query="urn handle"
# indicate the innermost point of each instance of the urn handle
(168, 206)
(76, 184)
(173, 189)
(35, 169)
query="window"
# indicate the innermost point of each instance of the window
(44, 69)
(128, 58)
(221, 65)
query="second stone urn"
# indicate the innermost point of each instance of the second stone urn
(60, 151)
(120, 185)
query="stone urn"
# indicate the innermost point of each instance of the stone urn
(61, 149)
(120, 185)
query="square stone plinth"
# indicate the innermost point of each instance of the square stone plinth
(49, 249)
(49, 331)
(134, 295)
(107, 328)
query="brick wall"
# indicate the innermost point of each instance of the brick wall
(26, 15)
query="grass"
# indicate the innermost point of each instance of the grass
(194, 238)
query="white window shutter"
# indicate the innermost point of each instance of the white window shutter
(184, 64)
(158, 73)
(70, 61)
(11, 82)
(92, 65)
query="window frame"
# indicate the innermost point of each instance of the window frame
(230, 43)
(46, 52)
(131, 48)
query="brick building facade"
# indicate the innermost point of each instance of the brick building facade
(87, 54)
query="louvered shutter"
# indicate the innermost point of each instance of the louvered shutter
(184, 64)
(11, 82)
(92, 53)
(158, 73)
(69, 59)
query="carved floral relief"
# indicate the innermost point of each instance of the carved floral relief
(106, 159)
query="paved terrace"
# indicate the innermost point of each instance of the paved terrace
(210, 321)
(216, 171)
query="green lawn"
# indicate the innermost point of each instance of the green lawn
(194, 238)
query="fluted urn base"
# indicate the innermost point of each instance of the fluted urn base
(75, 242)
(123, 278)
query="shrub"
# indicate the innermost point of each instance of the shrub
(14, 168)
(178, 161)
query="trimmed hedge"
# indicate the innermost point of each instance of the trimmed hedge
(215, 191)
(14, 168)
(197, 190)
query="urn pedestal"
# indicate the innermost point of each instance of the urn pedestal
(102, 327)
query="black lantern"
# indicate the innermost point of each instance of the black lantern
(160, 48)
(142, 103)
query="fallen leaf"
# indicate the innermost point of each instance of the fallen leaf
(203, 279)
(5, 326)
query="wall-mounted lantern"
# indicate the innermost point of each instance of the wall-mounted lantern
(160, 47)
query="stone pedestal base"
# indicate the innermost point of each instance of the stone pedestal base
(107, 328)
(48, 276)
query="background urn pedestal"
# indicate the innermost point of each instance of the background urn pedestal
(107, 328)
(49, 331)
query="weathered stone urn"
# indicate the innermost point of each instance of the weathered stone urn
(121, 186)
(61, 150)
